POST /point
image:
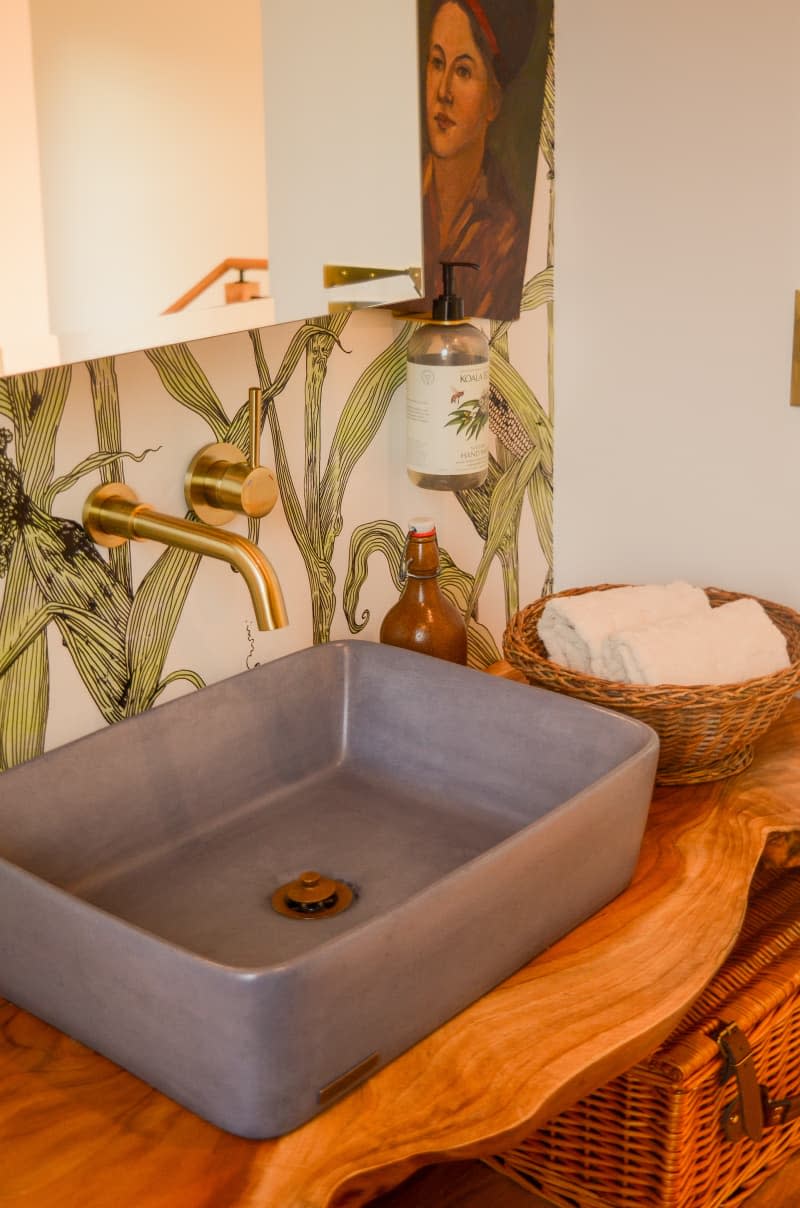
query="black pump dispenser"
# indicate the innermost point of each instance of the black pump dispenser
(448, 306)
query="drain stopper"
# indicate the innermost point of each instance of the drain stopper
(312, 896)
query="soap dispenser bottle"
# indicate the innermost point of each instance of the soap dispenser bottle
(423, 619)
(447, 395)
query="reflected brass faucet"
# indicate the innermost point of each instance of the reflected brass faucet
(113, 514)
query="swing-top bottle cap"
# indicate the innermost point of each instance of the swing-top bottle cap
(449, 306)
(422, 526)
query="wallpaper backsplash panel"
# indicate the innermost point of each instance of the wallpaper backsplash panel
(89, 637)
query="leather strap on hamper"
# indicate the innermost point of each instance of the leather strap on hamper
(752, 1110)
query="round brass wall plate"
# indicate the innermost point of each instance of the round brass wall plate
(312, 896)
(196, 475)
(93, 507)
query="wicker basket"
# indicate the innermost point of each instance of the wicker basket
(654, 1137)
(707, 731)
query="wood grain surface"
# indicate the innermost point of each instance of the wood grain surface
(78, 1132)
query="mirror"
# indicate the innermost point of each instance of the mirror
(195, 154)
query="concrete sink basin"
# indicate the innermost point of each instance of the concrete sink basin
(470, 821)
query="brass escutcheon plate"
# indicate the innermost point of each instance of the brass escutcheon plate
(194, 481)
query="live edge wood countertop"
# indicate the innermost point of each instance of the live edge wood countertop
(78, 1132)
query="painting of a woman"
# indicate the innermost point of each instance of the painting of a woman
(473, 51)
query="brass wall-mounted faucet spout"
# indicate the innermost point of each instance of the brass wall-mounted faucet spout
(113, 514)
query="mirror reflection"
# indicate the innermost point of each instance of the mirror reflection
(151, 123)
(199, 163)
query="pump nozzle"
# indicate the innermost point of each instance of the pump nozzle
(450, 305)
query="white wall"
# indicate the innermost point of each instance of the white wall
(677, 260)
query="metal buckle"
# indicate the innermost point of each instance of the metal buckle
(744, 1116)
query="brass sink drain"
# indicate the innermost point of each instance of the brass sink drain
(312, 896)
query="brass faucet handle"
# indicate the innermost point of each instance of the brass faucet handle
(222, 481)
(254, 425)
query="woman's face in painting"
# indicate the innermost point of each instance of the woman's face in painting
(461, 95)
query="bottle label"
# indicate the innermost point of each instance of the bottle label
(447, 413)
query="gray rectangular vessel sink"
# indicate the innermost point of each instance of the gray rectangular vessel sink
(473, 821)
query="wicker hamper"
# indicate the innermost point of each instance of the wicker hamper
(714, 1110)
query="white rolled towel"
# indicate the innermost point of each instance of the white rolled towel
(735, 642)
(574, 628)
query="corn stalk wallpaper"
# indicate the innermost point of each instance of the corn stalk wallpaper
(89, 637)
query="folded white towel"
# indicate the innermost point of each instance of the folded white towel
(574, 628)
(737, 641)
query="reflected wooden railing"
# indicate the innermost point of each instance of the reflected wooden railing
(235, 291)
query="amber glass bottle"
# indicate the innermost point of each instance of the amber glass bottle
(423, 619)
